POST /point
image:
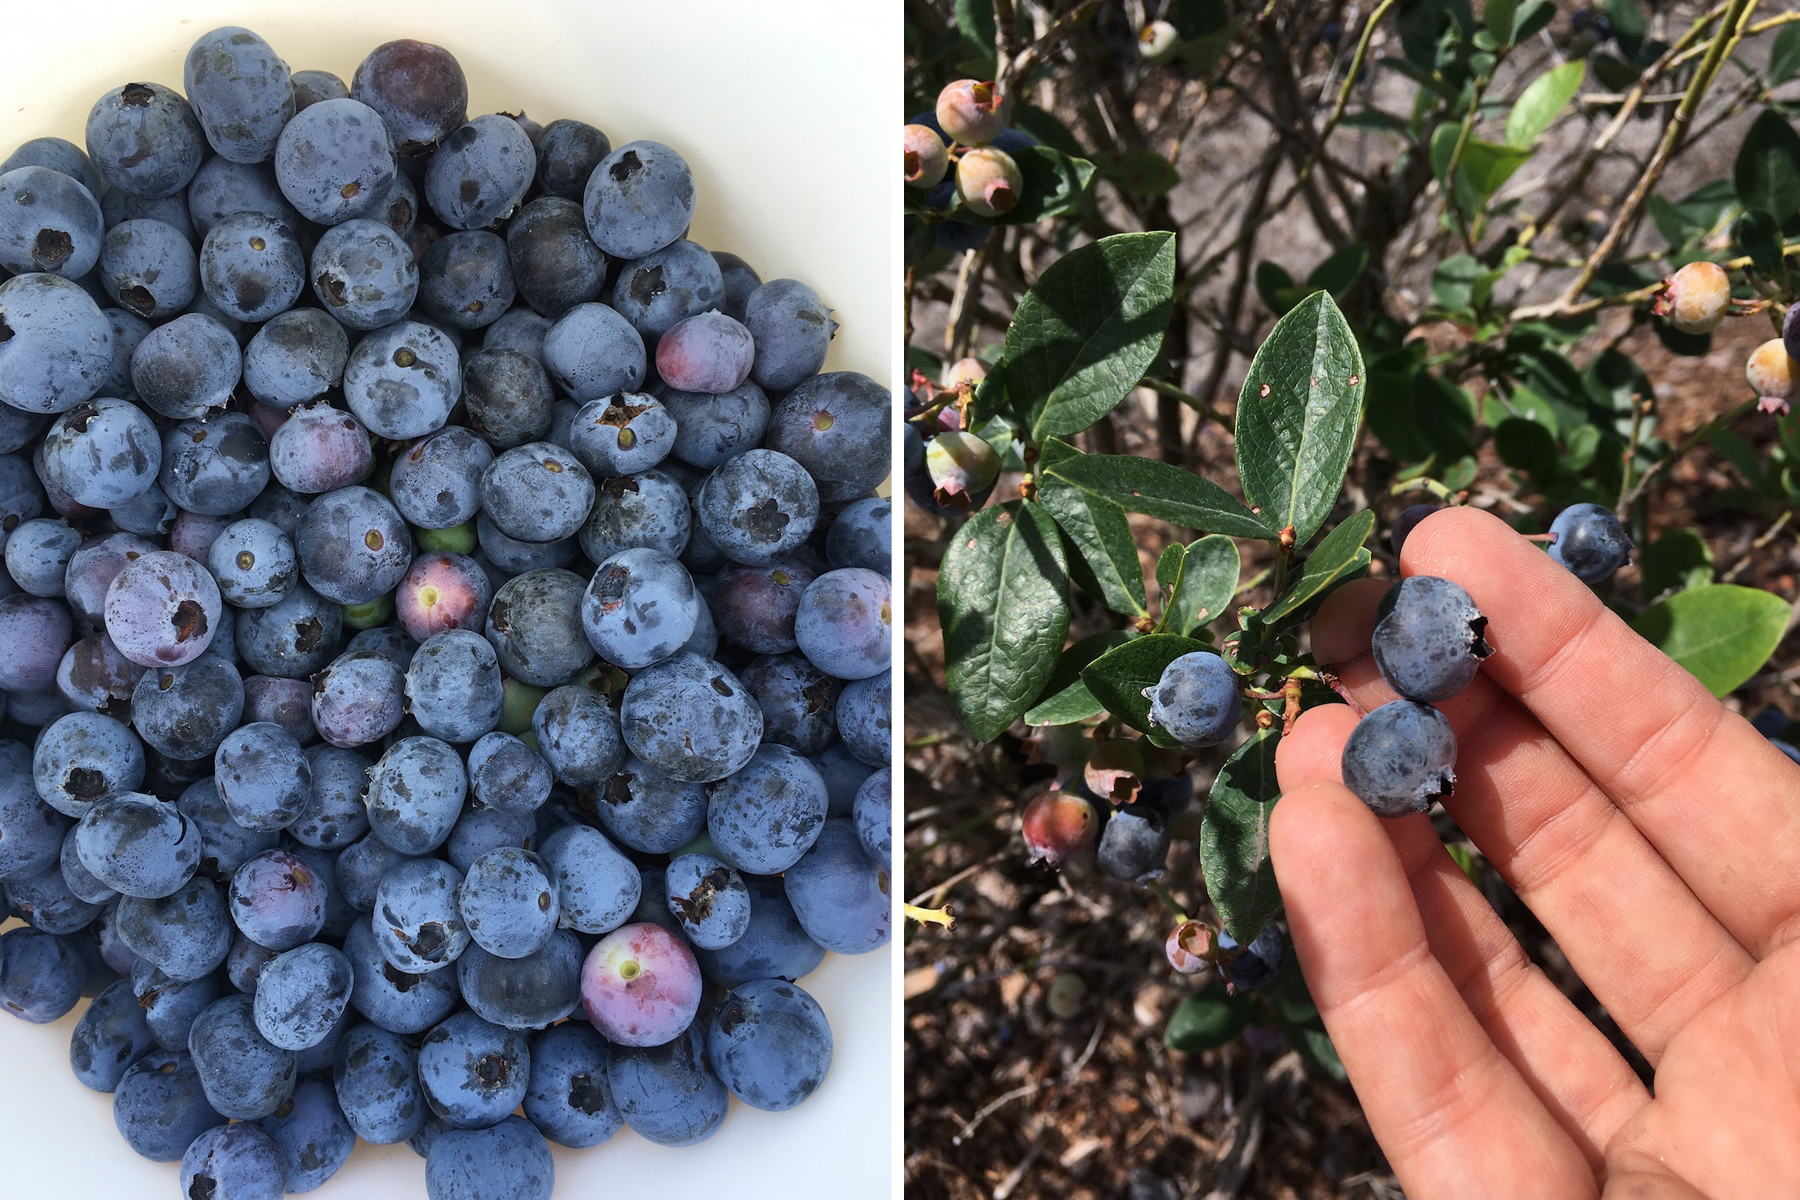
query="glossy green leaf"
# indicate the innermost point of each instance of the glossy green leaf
(1160, 490)
(1118, 678)
(1336, 559)
(1759, 236)
(1542, 102)
(1784, 55)
(1298, 415)
(1767, 171)
(1487, 165)
(1107, 567)
(1276, 287)
(1145, 173)
(1084, 334)
(1722, 633)
(1003, 602)
(1525, 445)
(1530, 18)
(1199, 582)
(1234, 838)
(1679, 558)
(1065, 699)
(1498, 15)
(1628, 24)
(1208, 1019)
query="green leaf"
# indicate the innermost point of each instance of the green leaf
(975, 22)
(1628, 26)
(1052, 183)
(1160, 490)
(1297, 417)
(1784, 55)
(1085, 333)
(1613, 72)
(1118, 678)
(1276, 287)
(1208, 1019)
(1065, 699)
(1337, 273)
(1679, 558)
(1487, 165)
(1722, 633)
(1003, 602)
(1314, 1046)
(1442, 146)
(1145, 173)
(1759, 235)
(1525, 445)
(1542, 102)
(1531, 18)
(1338, 557)
(1375, 120)
(1767, 171)
(1198, 582)
(1498, 15)
(1107, 567)
(1048, 129)
(1234, 838)
(1453, 281)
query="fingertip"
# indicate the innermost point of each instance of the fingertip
(1307, 826)
(1314, 750)
(1430, 542)
(1345, 621)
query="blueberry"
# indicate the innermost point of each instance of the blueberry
(94, 676)
(1404, 524)
(862, 535)
(244, 1076)
(839, 895)
(171, 1006)
(473, 1073)
(214, 466)
(740, 280)
(639, 608)
(453, 685)
(185, 935)
(591, 351)
(843, 623)
(554, 263)
(188, 367)
(353, 545)
(62, 156)
(225, 845)
(567, 1097)
(262, 776)
(1400, 758)
(137, 845)
(144, 139)
(278, 900)
(520, 329)
(1695, 298)
(709, 898)
(622, 435)
(334, 161)
(1134, 844)
(377, 1083)
(243, 95)
(244, 963)
(667, 1093)
(508, 776)
(103, 452)
(1428, 639)
(251, 266)
(310, 1130)
(254, 564)
(185, 712)
(649, 511)
(1257, 964)
(79, 882)
(792, 328)
(508, 399)
(596, 887)
(480, 830)
(640, 985)
(415, 794)
(508, 1161)
(865, 718)
(764, 817)
(58, 346)
(222, 187)
(109, 1038)
(513, 556)
(774, 946)
(843, 774)
(48, 222)
(436, 483)
(639, 199)
(1196, 701)
(648, 810)
(537, 492)
(292, 639)
(770, 1043)
(524, 993)
(418, 89)
(152, 514)
(466, 279)
(711, 429)
(301, 996)
(395, 1000)
(567, 153)
(755, 606)
(480, 173)
(159, 1106)
(705, 353)
(799, 702)
(663, 288)
(873, 812)
(295, 358)
(319, 449)
(689, 718)
(1589, 541)
(363, 273)
(535, 625)
(758, 506)
(578, 734)
(37, 556)
(836, 425)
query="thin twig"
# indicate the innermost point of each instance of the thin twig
(1688, 443)
(959, 324)
(1020, 68)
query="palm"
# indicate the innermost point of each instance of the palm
(1655, 835)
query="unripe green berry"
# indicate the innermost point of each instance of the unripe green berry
(1157, 41)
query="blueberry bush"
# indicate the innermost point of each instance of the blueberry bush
(1207, 303)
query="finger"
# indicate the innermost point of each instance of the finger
(1569, 1065)
(1718, 802)
(1642, 942)
(1451, 1113)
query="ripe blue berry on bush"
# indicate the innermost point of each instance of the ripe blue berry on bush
(374, 651)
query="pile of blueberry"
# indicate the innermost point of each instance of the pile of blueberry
(445, 638)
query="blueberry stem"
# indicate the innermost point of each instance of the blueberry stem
(1162, 893)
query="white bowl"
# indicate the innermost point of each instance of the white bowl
(785, 111)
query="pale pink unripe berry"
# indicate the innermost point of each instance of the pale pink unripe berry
(640, 985)
(969, 112)
(965, 370)
(960, 466)
(924, 157)
(1057, 825)
(1773, 376)
(1114, 771)
(1188, 946)
(1157, 41)
(1695, 298)
(988, 182)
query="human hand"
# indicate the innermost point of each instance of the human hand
(1654, 833)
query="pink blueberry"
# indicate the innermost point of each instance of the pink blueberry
(641, 985)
